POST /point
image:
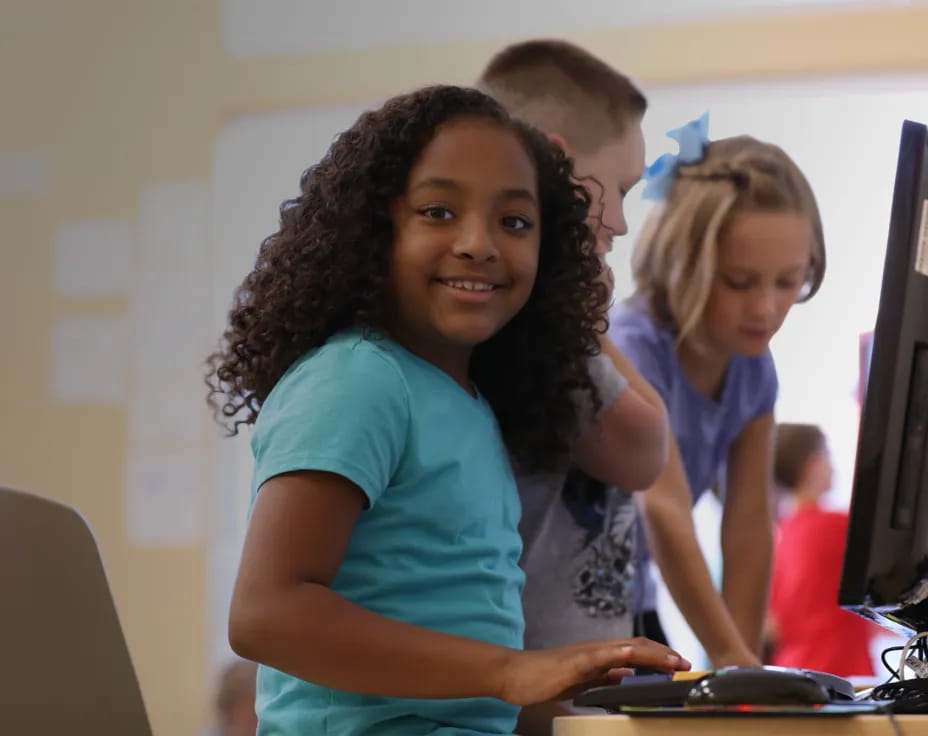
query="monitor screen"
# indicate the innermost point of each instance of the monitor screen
(885, 574)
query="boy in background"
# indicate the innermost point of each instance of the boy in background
(578, 527)
(806, 626)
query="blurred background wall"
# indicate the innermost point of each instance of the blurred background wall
(144, 148)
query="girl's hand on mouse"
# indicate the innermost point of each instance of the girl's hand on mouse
(533, 677)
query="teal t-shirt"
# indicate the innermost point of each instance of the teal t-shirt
(438, 545)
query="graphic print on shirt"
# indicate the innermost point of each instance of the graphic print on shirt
(604, 567)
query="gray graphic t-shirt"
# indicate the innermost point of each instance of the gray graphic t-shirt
(578, 546)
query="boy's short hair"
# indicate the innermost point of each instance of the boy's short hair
(796, 444)
(563, 89)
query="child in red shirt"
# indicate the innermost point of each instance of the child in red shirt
(806, 626)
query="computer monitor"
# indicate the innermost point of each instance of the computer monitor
(885, 575)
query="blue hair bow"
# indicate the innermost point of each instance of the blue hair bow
(692, 138)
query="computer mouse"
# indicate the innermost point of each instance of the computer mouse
(757, 686)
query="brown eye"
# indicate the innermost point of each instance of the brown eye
(436, 213)
(514, 222)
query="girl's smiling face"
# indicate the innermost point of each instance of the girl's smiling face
(466, 240)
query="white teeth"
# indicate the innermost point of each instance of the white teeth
(470, 285)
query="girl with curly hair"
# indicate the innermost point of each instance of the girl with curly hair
(385, 347)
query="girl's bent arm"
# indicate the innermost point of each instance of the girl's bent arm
(626, 447)
(284, 614)
(672, 536)
(747, 534)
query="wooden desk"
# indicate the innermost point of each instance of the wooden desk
(616, 725)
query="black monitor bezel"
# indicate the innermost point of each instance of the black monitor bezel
(871, 540)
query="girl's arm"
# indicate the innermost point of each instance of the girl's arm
(626, 446)
(747, 528)
(668, 515)
(285, 615)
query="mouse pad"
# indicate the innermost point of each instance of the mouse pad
(716, 711)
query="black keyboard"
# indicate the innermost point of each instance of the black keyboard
(645, 691)
(659, 690)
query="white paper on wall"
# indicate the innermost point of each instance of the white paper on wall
(170, 294)
(164, 497)
(173, 217)
(169, 342)
(92, 258)
(89, 360)
(26, 172)
(159, 416)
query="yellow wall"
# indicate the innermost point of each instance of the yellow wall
(125, 95)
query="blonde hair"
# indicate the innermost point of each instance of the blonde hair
(561, 88)
(674, 261)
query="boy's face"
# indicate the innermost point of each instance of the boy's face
(819, 471)
(609, 173)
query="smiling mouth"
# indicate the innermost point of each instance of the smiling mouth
(465, 285)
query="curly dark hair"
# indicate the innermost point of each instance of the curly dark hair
(326, 269)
